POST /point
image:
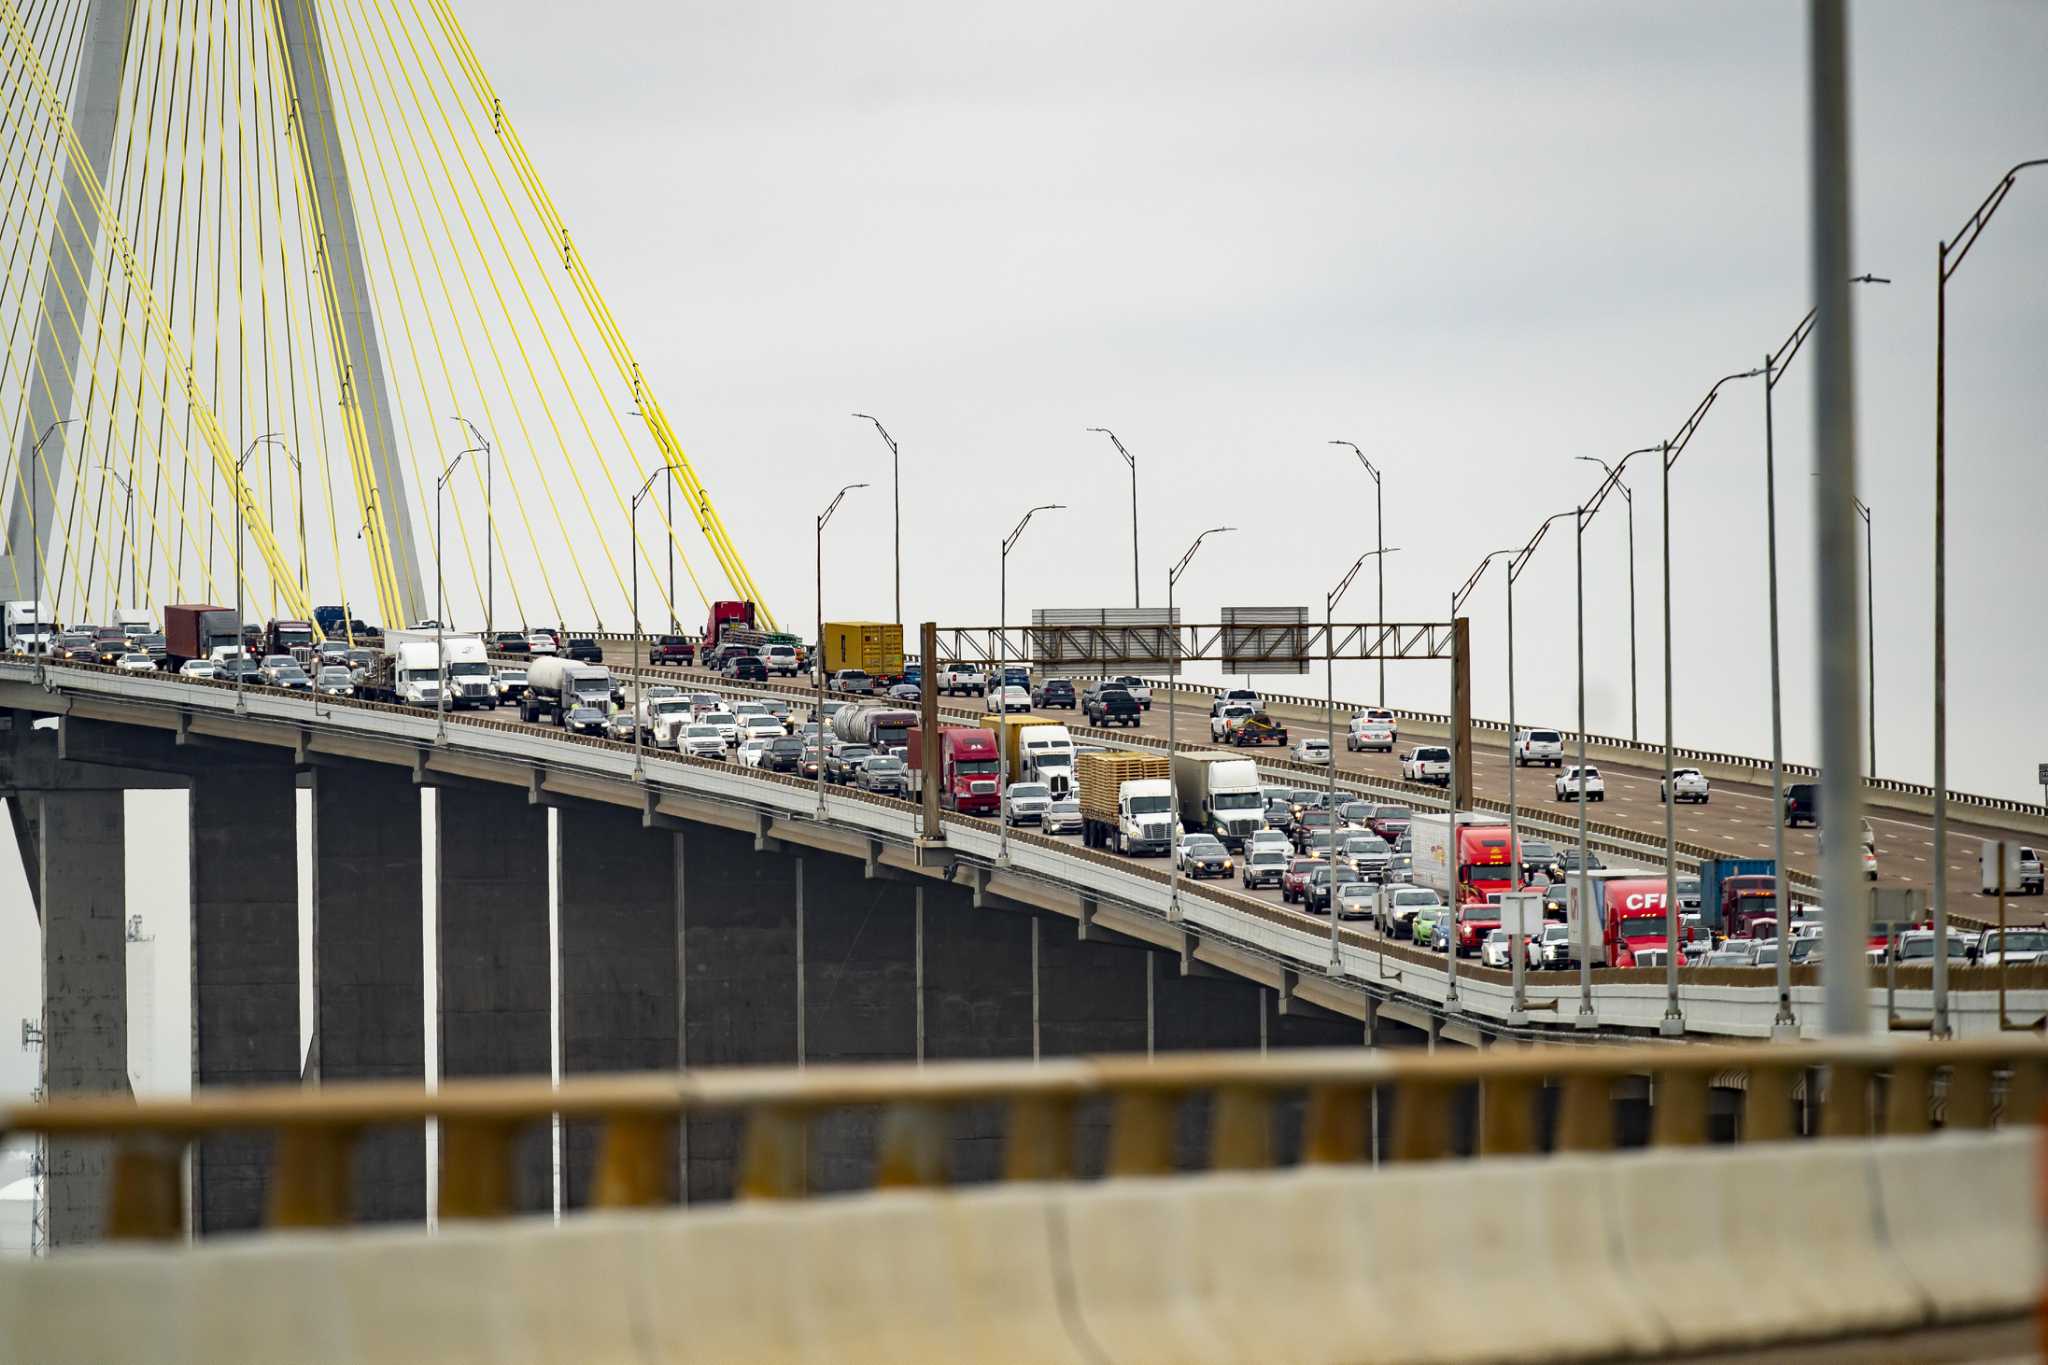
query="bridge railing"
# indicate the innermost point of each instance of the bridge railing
(1359, 1105)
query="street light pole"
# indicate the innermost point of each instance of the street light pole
(1958, 248)
(1379, 517)
(1628, 499)
(1129, 459)
(35, 534)
(440, 610)
(896, 475)
(1451, 824)
(107, 471)
(1000, 690)
(482, 447)
(1330, 729)
(633, 551)
(241, 519)
(1172, 691)
(818, 665)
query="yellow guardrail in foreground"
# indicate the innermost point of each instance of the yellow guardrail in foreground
(1881, 1086)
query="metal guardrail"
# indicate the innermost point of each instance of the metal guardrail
(1863, 1087)
(1646, 751)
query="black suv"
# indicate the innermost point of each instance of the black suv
(1802, 804)
(511, 642)
(583, 650)
(1053, 692)
(746, 668)
(784, 755)
(1110, 704)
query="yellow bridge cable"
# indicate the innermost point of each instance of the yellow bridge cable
(120, 248)
(476, 378)
(390, 600)
(131, 101)
(31, 136)
(586, 288)
(543, 268)
(527, 442)
(401, 306)
(533, 380)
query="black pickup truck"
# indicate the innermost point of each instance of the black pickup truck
(1108, 704)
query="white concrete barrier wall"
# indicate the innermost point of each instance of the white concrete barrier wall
(1532, 1258)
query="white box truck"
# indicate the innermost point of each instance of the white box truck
(1219, 795)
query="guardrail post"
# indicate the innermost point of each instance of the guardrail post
(1040, 1142)
(1767, 1107)
(772, 1156)
(1585, 1114)
(311, 1185)
(1336, 1130)
(913, 1146)
(1422, 1120)
(632, 1162)
(477, 1173)
(1846, 1112)
(1506, 1121)
(1241, 1129)
(1141, 1139)
(1969, 1096)
(1679, 1118)
(146, 1195)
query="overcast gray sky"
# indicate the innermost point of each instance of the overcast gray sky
(1478, 239)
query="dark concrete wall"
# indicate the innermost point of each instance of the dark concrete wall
(81, 862)
(977, 1003)
(369, 995)
(245, 966)
(860, 1000)
(618, 906)
(491, 865)
(739, 980)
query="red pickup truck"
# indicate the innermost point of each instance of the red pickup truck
(1294, 881)
(672, 649)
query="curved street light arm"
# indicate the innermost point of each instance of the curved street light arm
(1129, 459)
(1675, 447)
(1472, 580)
(1173, 576)
(1608, 484)
(1010, 540)
(1973, 227)
(1361, 458)
(1523, 555)
(1336, 594)
(826, 515)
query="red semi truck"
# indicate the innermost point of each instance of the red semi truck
(1630, 913)
(724, 614)
(969, 768)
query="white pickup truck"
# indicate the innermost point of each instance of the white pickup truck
(1427, 763)
(1687, 784)
(962, 680)
(1220, 723)
(1540, 748)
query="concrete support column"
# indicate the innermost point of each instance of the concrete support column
(491, 870)
(245, 968)
(860, 999)
(81, 874)
(978, 1002)
(620, 940)
(369, 994)
(740, 975)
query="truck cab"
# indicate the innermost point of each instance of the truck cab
(969, 768)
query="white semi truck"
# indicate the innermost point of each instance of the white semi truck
(1219, 795)
(469, 667)
(31, 626)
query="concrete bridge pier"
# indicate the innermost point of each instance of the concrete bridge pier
(491, 871)
(369, 997)
(245, 967)
(82, 895)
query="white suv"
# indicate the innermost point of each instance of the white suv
(1541, 748)
(1568, 784)
(781, 659)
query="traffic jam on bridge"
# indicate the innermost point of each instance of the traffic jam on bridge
(1044, 752)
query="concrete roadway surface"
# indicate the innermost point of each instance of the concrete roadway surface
(1735, 820)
